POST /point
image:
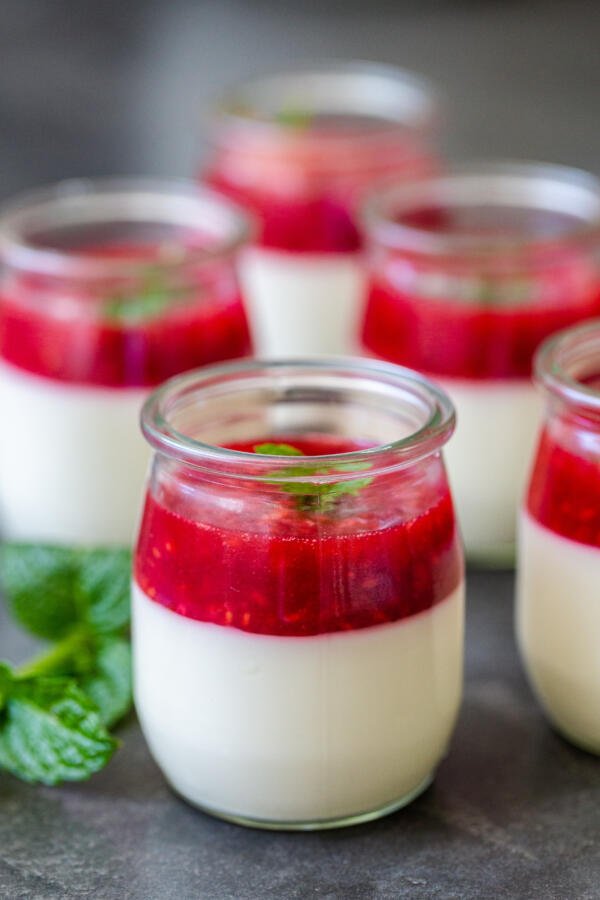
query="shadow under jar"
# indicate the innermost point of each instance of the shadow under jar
(108, 288)
(470, 271)
(298, 617)
(298, 149)
(558, 590)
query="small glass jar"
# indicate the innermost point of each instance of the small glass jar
(558, 595)
(298, 149)
(107, 289)
(298, 590)
(470, 271)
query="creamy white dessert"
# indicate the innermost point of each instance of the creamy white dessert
(72, 462)
(488, 458)
(279, 728)
(301, 304)
(558, 628)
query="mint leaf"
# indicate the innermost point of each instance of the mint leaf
(50, 732)
(316, 497)
(277, 450)
(154, 297)
(141, 308)
(6, 680)
(51, 589)
(108, 684)
(39, 583)
(291, 117)
(104, 586)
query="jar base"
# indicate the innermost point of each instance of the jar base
(318, 824)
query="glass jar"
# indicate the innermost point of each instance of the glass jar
(298, 590)
(107, 289)
(298, 149)
(470, 271)
(558, 596)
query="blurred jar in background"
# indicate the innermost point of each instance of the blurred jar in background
(558, 597)
(470, 271)
(299, 149)
(108, 288)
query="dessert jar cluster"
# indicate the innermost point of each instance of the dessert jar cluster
(558, 594)
(108, 288)
(298, 150)
(470, 271)
(298, 590)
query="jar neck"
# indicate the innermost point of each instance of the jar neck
(341, 123)
(489, 234)
(396, 413)
(102, 232)
(567, 367)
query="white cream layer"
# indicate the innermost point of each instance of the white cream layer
(72, 460)
(488, 459)
(303, 303)
(297, 729)
(558, 628)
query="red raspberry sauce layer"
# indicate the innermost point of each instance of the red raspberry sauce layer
(564, 494)
(312, 225)
(447, 338)
(269, 568)
(82, 347)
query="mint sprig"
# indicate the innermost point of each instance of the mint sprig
(294, 117)
(50, 730)
(55, 710)
(315, 496)
(150, 301)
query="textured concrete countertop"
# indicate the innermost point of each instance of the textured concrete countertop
(101, 88)
(514, 812)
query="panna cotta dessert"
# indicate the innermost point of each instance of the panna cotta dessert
(298, 591)
(298, 149)
(470, 272)
(107, 289)
(558, 585)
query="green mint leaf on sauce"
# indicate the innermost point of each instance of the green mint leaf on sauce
(291, 117)
(150, 301)
(50, 730)
(277, 450)
(314, 496)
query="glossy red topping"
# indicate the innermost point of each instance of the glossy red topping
(564, 493)
(256, 562)
(65, 333)
(465, 340)
(321, 224)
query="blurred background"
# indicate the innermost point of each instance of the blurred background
(123, 86)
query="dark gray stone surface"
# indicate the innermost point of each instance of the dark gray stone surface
(514, 812)
(107, 87)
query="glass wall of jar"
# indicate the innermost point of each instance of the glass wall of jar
(298, 590)
(558, 596)
(470, 271)
(298, 149)
(107, 289)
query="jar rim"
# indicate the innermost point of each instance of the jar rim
(344, 86)
(560, 356)
(85, 201)
(539, 186)
(424, 440)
